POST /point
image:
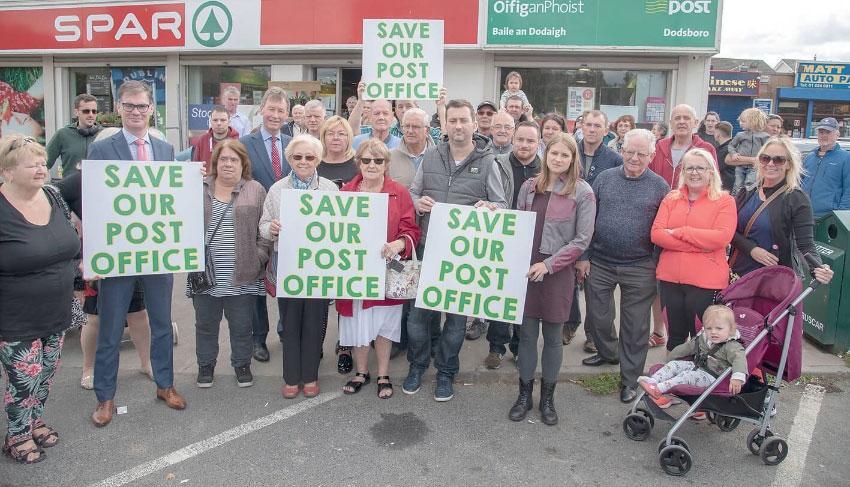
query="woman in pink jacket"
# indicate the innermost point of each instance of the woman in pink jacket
(695, 223)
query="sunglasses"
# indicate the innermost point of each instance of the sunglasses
(88, 111)
(777, 160)
(298, 157)
(368, 160)
(21, 142)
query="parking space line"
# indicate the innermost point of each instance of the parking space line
(789, 473)
(196, 449)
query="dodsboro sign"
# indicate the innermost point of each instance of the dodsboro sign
(603, 23)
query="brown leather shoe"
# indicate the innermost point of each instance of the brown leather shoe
(102, 415)
(171, 397)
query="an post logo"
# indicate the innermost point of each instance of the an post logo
(212, 24)
(676, 6)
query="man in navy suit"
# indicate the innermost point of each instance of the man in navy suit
(268, 165)
(133, 143)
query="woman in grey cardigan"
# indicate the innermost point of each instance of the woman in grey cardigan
(233, 205)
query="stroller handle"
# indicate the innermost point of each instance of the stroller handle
(813, 264)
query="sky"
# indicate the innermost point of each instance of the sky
(795, 29)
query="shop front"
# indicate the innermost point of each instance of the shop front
(732, 92)
(623, 57)
(821, 89)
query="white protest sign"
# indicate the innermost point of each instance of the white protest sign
(330, 245)
(402, 59)
(142, 218)
(475, 262)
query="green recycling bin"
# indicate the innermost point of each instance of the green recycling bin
(826, 312)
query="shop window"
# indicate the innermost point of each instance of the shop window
(206, 84)
(327, 94)
(103, 84)
(22, 102)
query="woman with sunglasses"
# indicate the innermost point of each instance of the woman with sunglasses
(694, 224)
(38, 246)
(301, 317)
(365, 321)
(775, 222)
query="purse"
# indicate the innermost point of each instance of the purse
(200, 282)
(403, 276)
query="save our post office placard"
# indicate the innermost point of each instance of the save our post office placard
(330, 245)
(142, 218)
(475, 262)
(402, 59)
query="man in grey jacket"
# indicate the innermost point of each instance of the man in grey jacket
(464, 172)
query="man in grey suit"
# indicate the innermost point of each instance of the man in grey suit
(266, 147)
(133, 143)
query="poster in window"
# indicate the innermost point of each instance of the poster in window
(22, 102)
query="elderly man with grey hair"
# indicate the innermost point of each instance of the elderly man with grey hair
(314, 117)
(407, 155)
(622, 254)
(230, 98)
(297, 125)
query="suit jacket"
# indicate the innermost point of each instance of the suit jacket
(261, 164)
(116, 148)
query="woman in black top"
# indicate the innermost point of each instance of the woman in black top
(38, 245)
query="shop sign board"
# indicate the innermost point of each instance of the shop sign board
(734, 83)
(402, 59)
(822, 75)
(142, 218)
(597, 23)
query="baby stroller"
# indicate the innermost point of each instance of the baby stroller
(768, 313)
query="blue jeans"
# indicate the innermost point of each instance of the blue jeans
(499, 335)
(419, 341)
(113, 301)
(260, 320)
(239, 311)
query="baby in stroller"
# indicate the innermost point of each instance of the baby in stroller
(716, 347)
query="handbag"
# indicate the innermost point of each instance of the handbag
(200, 282)
(403, 276)
(733, 276)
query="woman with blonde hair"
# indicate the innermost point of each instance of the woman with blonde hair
(694, 224)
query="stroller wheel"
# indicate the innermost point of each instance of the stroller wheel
(754, 440)
(675, 460)
(675, 440)
(648, 415)
(637, 427)
(726, 423)
(711, 417)
(773, 450)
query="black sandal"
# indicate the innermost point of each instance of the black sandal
(355, 385)
(382, 386)
(44, 440)
(22, 456)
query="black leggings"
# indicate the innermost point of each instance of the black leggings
(683, 305)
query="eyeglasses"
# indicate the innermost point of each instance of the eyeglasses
(777, 160)
(695, 169)
(412, 127)
(21, 142)
(368, 160)
(307, 157)
(129, 107)
(631, 153)
(88, 111)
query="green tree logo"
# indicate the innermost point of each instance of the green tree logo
(212, 24)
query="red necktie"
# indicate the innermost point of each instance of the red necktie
(278, 173)
(143, 153)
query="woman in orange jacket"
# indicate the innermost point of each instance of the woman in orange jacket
(695, 223)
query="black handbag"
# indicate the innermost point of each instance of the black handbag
(200, 282)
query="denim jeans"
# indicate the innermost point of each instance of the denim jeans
(260, 320)
(419, 326)
(239, 311)
(499, 334)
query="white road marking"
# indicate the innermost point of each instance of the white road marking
(789, 473)
(196, 449)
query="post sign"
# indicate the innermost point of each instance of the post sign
(822, 75)
(475, 262)
(142, 218)
(734, 83)
(403, 59)
(330, 245)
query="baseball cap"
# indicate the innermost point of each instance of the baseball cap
(828, 123)
(488, 103)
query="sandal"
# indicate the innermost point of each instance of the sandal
(44, 440)
(23, 456)
(87, 382)
(384, 386)
(353, 386)
(656, 340)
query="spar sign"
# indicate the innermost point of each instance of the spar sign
(142, 218)
(475, 262)
(403, 59)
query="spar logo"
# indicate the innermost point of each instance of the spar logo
(212, 24)
(676, 6)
